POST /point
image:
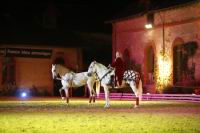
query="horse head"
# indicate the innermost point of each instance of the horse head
(103, 74)
(54, 72)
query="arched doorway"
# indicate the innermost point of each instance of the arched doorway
(177, 60)
(149, 65)
(183, 65)
(149, 53)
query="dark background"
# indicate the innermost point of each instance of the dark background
(72, 15)
(70, 23)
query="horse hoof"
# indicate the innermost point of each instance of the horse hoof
(136, 106)
(62, 98)
(106, 106)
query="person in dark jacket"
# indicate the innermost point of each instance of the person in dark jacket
(118, 64)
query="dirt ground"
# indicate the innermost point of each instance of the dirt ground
(55, 104)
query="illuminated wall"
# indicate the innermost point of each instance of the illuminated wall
(131, 34)
(36, 72)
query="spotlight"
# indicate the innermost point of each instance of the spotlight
(23, 94)
(148, 26)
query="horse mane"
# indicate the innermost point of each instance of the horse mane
(101, 65)
(62, 70)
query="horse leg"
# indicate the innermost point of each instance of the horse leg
(123, 84)
(90, 84)
(137, 102)
(135, 91)
(106, 96)
(61, 93)
(98, 87)
(93, 96)
(139, 93)
(67, 95)
(90, 94)
(90, 99)
(94, 99)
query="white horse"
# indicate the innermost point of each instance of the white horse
(70, 79)
(133, 79)
(105, 75)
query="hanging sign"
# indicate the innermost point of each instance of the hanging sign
(22, 52)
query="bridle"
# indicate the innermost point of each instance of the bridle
(101, 78)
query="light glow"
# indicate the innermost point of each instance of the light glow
(148, 26)
(23, 94)
(163, 72)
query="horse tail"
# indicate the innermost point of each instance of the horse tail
(98, 88)
(140, 89)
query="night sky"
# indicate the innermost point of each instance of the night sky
(69, 23)
(71, 15)
(79, 15)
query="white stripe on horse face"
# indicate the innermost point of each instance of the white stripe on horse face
(53, 70)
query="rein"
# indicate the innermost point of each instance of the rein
(103, 75)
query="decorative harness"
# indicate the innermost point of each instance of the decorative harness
(130, 75)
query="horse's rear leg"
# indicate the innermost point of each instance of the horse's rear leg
(90, 99)
(93, 96)
(90, 95)
(61, 94)
(94, 99)
(91, 91)
(137, 102)
(67, 100)
(135, 91)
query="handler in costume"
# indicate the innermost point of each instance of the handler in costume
(118, 64)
